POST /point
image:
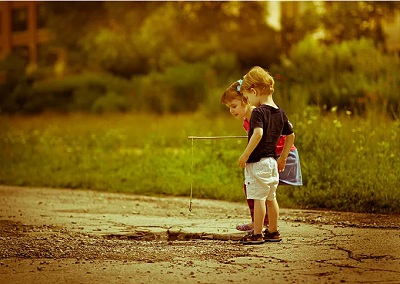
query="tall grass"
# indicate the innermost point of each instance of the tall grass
(348, 163)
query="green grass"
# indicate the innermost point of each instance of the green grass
(348, 163)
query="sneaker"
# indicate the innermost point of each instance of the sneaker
(272, 237)
(244, 227)
(252, 239)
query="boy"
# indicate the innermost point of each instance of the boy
(268, 122)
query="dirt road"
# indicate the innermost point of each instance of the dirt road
(76, 236)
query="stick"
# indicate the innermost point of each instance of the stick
(191, 180)
(214, 137)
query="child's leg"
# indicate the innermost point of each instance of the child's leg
(250, 203)
(266, 221)
(273, 215)
(259, 214)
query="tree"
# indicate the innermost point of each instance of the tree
(245, 32)
(296, 26)
(116, 46)
(70, 22)
(357, 19)
(136, 37)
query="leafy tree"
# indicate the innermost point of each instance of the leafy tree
(245, 33)
(357, 19)
(116, 46)
(70, 22)
(135, 37)
(294, 27)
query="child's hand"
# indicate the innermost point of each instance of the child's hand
(281, 164)
(242, 160)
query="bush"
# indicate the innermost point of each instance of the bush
(14, 84)
(347, 161)
(186, 87)
(349, 75)
(86, 92)
(178, 89)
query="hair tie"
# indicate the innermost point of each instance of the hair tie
(240, 85)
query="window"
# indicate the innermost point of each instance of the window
(41, 16)
(19, 20)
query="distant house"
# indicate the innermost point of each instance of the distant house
(23, 32)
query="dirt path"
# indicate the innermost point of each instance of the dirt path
(76, 236)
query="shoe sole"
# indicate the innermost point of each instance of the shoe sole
(273, 241)
(253, 243)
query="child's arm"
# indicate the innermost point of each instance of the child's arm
(289, 141)
(253, 142)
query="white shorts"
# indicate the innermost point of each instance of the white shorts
(262, 179)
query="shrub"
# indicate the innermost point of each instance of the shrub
(178, 89)
(14, 84)
(186, 87)
(349, 75)
(84, 92)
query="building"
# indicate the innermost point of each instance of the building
(23, 32)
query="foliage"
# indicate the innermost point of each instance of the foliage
(357, 20)
(15, 88)
(180, 56)
(180, 88)
(70, 22)
(348, 163)
(295, 27)
(352, 75)
(116, 45)
(88, 92)
(127, 38)
(185, 87)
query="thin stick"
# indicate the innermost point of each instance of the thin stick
(214, 137)
(191, 180)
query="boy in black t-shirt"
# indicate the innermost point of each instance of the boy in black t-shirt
(268, 122)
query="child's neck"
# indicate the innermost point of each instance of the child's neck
(268, 100)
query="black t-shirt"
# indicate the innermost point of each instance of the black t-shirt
(274, 123)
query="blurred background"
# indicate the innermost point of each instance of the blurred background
(102, 95)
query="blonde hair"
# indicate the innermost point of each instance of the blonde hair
(232, 93)
(260, 79)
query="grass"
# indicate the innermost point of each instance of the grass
(348, 163)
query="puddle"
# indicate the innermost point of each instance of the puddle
(171, 236)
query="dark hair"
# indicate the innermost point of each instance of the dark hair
(232, 93)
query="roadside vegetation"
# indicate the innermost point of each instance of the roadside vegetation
(348, 163)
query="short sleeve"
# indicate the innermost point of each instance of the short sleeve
(287, 126)
(257, 119)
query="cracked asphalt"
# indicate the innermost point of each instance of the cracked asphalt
(78, 236)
